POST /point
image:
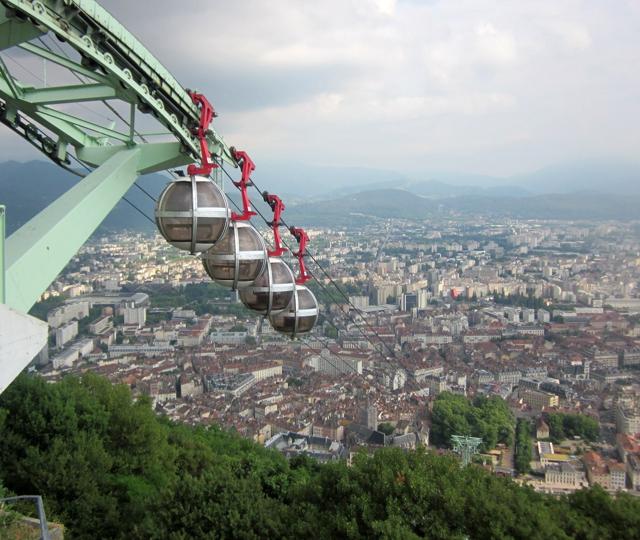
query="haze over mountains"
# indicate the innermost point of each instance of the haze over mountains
(598, 189)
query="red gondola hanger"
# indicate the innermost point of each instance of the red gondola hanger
(302, 238)
(277, 206)
(246, 167)
(207, 114)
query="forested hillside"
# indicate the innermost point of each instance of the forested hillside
(108, 467)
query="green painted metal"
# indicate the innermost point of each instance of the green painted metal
(38, 251)
(14, 32)
(46, 112)
(154, 156)
(2, 233)
(65, 62)
(133, 72)
(64, 128)
(69, 94)
(117, 67)
(466, 447)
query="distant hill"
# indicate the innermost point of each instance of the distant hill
(604, 175)
(27, 188)
(298, 180)
(436, 189)
(401, 203)
(578, 205)
(380, 203)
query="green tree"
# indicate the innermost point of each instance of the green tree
(523, 446)
(487, 418)
(562, 426)
(386, 428)
(108, 467)
(330, 331)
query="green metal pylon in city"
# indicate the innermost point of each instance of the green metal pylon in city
(111, 66)
(466, 447)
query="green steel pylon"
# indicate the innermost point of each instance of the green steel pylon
(466, 447)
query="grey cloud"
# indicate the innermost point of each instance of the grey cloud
(481, 85)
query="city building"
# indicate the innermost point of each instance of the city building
(539, 400)
(65, 333)
(627, 420)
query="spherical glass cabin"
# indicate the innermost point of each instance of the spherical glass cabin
(192, 213)
(301, 315)
(272, 291)
(239, 258)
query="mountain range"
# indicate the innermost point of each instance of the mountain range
(326, 195)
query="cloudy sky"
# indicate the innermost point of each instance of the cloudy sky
(481, 86)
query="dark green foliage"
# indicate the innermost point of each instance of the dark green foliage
(487, 418)
(109, 468)
(523, 447)
(40, 309)
(563, 426)
(330, 332)
(83, 324)
(528, 301)
(325, 295)
(386, 428)
(201, 297)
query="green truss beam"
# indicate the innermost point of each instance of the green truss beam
(116, 66)
(129, 67)
(44, 111)
(64, 62)
(13, 32)
(77, 93)
(155, 156)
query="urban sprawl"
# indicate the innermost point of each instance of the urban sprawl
(543, 316)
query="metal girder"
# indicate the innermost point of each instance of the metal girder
(103, 42)
(154, 156)
(14, 32)
(65, 62)
(68, 94)
(44, 111)
(38, 251)
(63, 128)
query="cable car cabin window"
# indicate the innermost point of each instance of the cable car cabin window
(209, 228)
(177, 229)
(248, 269)
(281, 300)
(306, 300)
(179, 198)
(248, 240)
(225, 244)
(255, 300)
(280, 273)
(305, 324)
(208, 197)
(281, 322)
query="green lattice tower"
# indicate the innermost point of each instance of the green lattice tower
(111, 66)
(466, 447)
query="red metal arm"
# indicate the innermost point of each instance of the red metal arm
(277, 206)
(207, 114)
(301, 236)
(247, 167)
